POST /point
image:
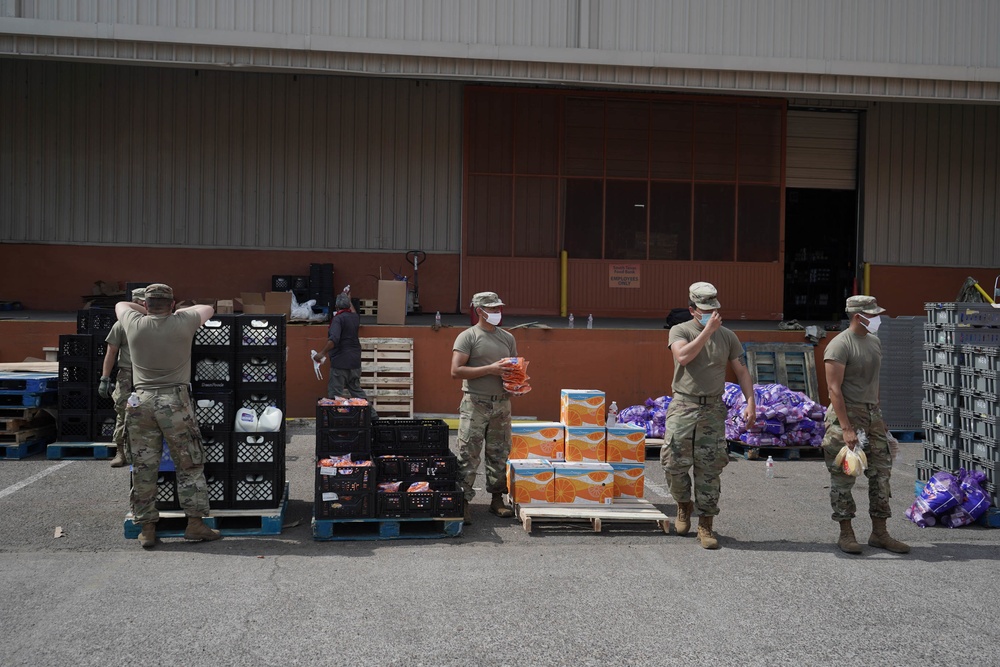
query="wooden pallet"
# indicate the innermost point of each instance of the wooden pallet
(631, 510)
(325, 530)
(790, 453)
(12, 420)
(22, 450)
(387, 375)
(80, 451)
(368, 307)
(790, 364)
(230, 523)
(45, 433)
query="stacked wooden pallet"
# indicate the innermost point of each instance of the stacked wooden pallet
(387, 375)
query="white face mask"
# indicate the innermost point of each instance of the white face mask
(873, 323)
(493, 318)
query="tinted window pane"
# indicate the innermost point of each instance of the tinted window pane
(715, 143)
(758, 234)
(488, 231)
(536, 128)
(584, 207)
(760, 145)
(628, 139)
(584, 137)
(490, 133)
(670, 138)
(714, 222)
(670, 221)
(625, 220)
(536, 217)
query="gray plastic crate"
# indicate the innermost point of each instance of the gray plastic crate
(980, 381)
(969, 313)
(924, 470)
(940, 438)
(961, 334)
(980, 448)
(977, 425)
(972, 401)
(939, 417)
(943, 459)
(942, 355)
(946, 397)
(980, 357)
(991, 468)
(943, 376)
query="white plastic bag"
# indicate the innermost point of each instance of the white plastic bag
(852, 461)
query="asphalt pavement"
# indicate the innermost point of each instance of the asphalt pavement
(778, 592)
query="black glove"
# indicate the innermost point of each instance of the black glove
(104, 389)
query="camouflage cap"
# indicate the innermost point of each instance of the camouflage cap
(139, 294)
(486, 300)
(704, 296)
(159, 291)
(862, 303)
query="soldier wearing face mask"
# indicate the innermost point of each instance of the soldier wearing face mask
(852, 361)
(484, 414)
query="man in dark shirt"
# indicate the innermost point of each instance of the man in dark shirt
(345, 358)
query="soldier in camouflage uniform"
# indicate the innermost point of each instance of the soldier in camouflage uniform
(484, 414)
(852, 361)
(117, 352)
(694, 435)
(160, 343)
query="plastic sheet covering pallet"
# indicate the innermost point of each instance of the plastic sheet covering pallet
(230, 523)
(991, 519)
(789, 364)
(387, 375)
(326, 530)
(629, 510)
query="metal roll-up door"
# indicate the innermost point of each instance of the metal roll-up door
(822, 150)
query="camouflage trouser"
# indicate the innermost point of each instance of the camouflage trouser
(166, 414)
(869, 418)
(483, 420)
(123, 389)
(694, 435)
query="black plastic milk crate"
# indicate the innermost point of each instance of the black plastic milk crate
(103, 425)
(217, 336)
(166, 490)
(444, 499)
(216, 445)
(358, 478)
(259, 399)
(212, 373)
(260, 370)
(332, 505)
(75, 397)
(289, 283)
(260, 332)
(98, 350)
(214, 412)
(399, 467)
(343, 416)
(76, 347)
(97, 321)
(410, 436)
(218, 483)
(258, 488)
(98, 402)
(343, 441)
(74, 426)
(256, 450)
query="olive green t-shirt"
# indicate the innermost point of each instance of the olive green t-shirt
(705, 375)
(861, 357)
(484, 348)
(117, 338)
(160, 347)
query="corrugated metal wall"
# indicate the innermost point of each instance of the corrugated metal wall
(157, 156)
(932, 176)
(822, 150)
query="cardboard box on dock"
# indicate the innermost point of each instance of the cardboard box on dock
(268, 303)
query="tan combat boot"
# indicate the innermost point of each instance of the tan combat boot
(147, 538)
(683, 523)
(119, 459)
(497, 507)
(197, 530)
(880, 538)
(847, 542)
(705, 533)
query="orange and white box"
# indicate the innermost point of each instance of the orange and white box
(586, 443)
(626, 444)
(629, 479)
(530, 481)
(583, 483)
(581, 407)
(537, 440)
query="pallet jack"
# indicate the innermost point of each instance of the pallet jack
(417, 257)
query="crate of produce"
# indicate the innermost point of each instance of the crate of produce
(260, 370)
(942, 355)
(332, 505)
(257, 450)
(343, 441)
(940, 376)
(939, 417)
(74, 426)
(410, 436)
(944, 397)
(258, 488)
(944, 459)
(214, 412)
(980, 381)
(216, 446)
(260, 333)
(76, 348)
(939, 438)
(260, 399)
(212, 373)
(103, 425)
(217, 336)
(75, 397)
(970, 314)
(349, 475)
(434, 499)
(95, 321)
(342, 416)
(398, 467)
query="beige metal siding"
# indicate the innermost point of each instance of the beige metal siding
(822, 150)
(931, 184)
(156, 156)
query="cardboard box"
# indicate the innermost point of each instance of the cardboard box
(581, 407)
(629, 479)
(268, 303)
(224, 307)
(583, 483)
(626, 443)
(537, 440)
(529, 481)
(585, 443)
(391, 302)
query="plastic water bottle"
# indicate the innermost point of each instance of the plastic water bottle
(590, 321)
(862, 438)
(437, 318)
(769, 467)
(571, 320)
(613, 413)
(133, 400)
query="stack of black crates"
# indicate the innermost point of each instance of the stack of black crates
(321, 284)
(406, 451)
(961, 406)
(83, 415)
(237, 361)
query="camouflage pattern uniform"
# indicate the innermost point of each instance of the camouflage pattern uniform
(869, 418)
(694, 436)
(123, 389)
(484, 421)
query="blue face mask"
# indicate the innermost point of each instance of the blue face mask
(705, 317)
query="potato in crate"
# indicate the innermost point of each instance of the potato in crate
(345, 474)
(332, 505)
(342, 413)
(419, 499)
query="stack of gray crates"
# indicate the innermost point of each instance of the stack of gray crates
(961, 406)
(899, 388)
